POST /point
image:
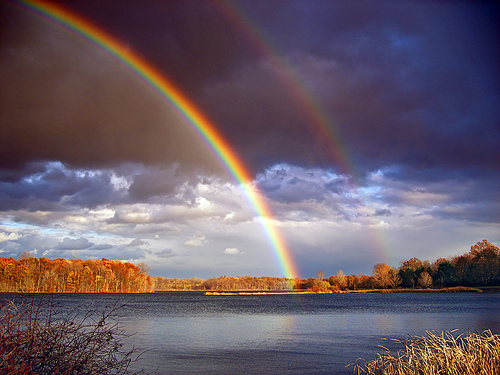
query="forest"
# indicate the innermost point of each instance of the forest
(480, 267)
(41, 275)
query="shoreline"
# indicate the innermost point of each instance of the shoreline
(458, 289)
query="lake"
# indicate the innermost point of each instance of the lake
(190, 333)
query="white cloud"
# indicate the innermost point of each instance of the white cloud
(8, 237)
(232, 251)
(132, 215)
(196, 240)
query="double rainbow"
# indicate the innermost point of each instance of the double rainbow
(187, 109)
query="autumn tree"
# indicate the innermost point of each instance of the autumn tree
(483, 245)
(382, 274)
(424, 280)
(30, 274)
(413, 263)
(341, 280)
(410, 271)
(485, 267)
(394, 279)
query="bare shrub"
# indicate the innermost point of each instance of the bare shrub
(39, 337)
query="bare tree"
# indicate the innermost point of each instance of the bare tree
(425, 280)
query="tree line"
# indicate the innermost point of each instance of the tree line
(479, 267)
(223, 283)
(41, 275)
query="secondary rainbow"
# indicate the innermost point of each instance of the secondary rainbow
(145, 70)
(316, 115)
(318, 119)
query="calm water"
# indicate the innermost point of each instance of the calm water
(190, 333)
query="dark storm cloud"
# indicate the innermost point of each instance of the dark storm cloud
(63, 99)
(256, 112)
(191, 41)
(409, 83)
(52, 186)
(149, 183)
(58, 188)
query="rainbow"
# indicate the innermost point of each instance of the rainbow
(76, 24)
(317, 117)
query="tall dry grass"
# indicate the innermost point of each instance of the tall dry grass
(38, 337)
(443, 354)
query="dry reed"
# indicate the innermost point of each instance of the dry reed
(438, 354)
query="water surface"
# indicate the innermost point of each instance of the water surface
(190, 333)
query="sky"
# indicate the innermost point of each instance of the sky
(370, 129)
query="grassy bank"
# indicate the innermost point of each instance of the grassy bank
(254, 293)
(435, 353)
(456, 289)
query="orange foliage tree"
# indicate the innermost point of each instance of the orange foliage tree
(41, 275)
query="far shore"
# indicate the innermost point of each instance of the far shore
(458, 289)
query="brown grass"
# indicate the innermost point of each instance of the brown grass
(455, 289)
(436, 354)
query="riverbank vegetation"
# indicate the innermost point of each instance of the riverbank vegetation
(436, 353)
(40, 337)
